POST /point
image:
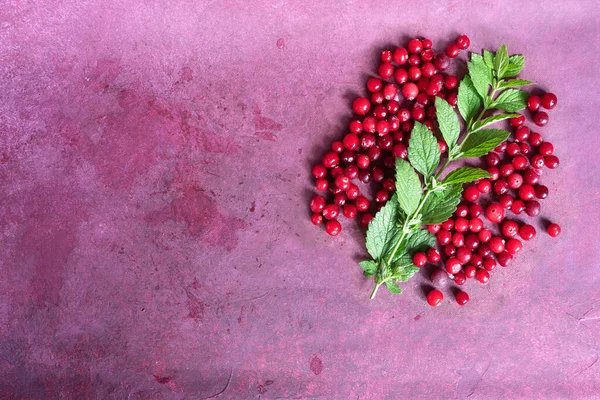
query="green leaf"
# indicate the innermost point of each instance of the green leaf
(369, 267)
(511, 100)
(404, 270)
(383, 229)
(465, 174)
(419, 240)
(448, 122)
(488, 58)
(481, 76)
(438, 209)
(423, 150)
(392, 287)
(514, 83)
(468, 99)
(515, 65)
(501, 61)
(491, 119)
(482, 142)
(408, 186)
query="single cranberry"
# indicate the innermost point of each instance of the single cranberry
(382, 196)
(317, 204)
(453, 99)
(374, 153)
(331, 211)
(337, 147)
(484, 235)
(512, 149)
(370, 124)
(355, 126)
(538, 161)
(362, 203)
(443, 237)
(333, 228)
(330, 160)
(452, 50)
(535, 139)
(430, 112)
(453, 266)
(361, 106)
(471, 242)
(435, 298)
(343, 182)
(494, 213)
(448, 224)
(494, 172)
(422, 85)
(475, 210)
(501, 187)
(463, 43)
(374, 85)
(533, 103)
(322, 184)
(366, 219)
(553, 230)
(517, 121)
(462, 210)
(510, 228)
(484, 250)
(418, 113)
(527, 232)
(484, 186)
(350, 211)
(410, 91)
(489, 264)
(546, 149)
(458, 239)
(526, 192)
(515, 181)
(504, 258)
(353, 192)
(471, 194)
(451, 82)
(549, 101)
(351, 141)
(435, 228)
(513, 246)
(389, 162)
(380, 112)
(470, 271)
(398, 137)
(531, 176)
(422, 99)
(540, 118)
(522, 134)
(414, 74)
(378, 174)
(492, 159)
(541, 191)
(364, 176)
(497, 244)
(461, 224)
(433, 256)
(393, 106)
(319, 171)
(383, 128)
(482, 276)
(460, 278)
(427, 70)
(363, 161)
(385, 142)
(316, 219)
(377, 98)
(427, 55)
(386, 70)
(506, 170)
(420, 259)
(386, 56)
(441, 62)
(427, 44)
(401, 76)
(415, 46)
(400, 56)
(501, 148)
(518, 206)
(475, 225)
(551, 162)
(351, 171)
(520, 162)
(533, 208)
(449, 250)
(367, 140)
(476, 260)
(525, 149)
(443, 146)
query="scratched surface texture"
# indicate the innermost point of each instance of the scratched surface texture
(155, 240)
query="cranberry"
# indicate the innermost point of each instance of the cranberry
(463, 255)
(355, 126)
(400, 56)
(377, 174)
(513, 246)
(363, 161)
(374, 153)
(322, 184)
(386, 56)
(361, 106)
(451, 82)
(470, 271)
(538, 161)
(526, 192)
(316, 219)
(386, 70)
(518, 206)
(370, 124)
(497, 244)
(333, 227)
(443, 146)
(553, 230)
(462, 210)
(506, 170)
(331, 211)
(448, 224)
(415, 46)
(410, 91)
(427, 44)
(535, 139)
(433, 256)
(494, 213)
(520, 162)
(353, 192)
(540, 118)
(317, 204)
(512, 149)
(435, 228)
(494, 172)
(383, 128)
(533, 103)
(471, 194)
(504, 258)
(427, 70)
(418, 113)
(389, 162)
(501, 148)
(362, 203)
(350, 211)
(546, 149)
(484, 235)
(319, 171)
(515, 181)
(414, 74)
(380, 112)
(460, 278)
(484, 186)
(441, 62)
(484, 250)
(525, 148)
(463, 43)
(366, 219)
(452, 50)
(501, 187)
(374, 85)
(449, 250)
(517, 121)
(401, 76)
(531, 176)
(549, 101)
(458, 239)
(532, 208)
(527, 232)
(453, 266)
(377, 98)
(475, 210)
(453, 99)
(476, 260)
(475, 225)
(382, 196)
(492, 159)
(343, 182)
(541, 191)
(419, 259)
(461, 224)
(551, 162)
(364, 176)
(435, 298)
(489, 264)
(430, 112)
(482, 276)
(386, 142)
(427, 55)
(443, 237)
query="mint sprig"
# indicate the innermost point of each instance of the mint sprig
(397, 232)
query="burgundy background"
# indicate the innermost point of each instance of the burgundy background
(155, 241)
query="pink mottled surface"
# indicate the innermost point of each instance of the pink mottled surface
(154, 177)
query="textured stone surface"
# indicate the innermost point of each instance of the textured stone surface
(154, 177)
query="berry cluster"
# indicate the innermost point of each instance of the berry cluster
(471, 249)
(409, 80)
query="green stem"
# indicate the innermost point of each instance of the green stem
(374, 292)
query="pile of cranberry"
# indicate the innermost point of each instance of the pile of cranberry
(409, 80)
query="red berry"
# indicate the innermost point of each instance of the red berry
(527, 232)
(518, 206)
(513, 246)
(427, 44)
(415, 46)
(388, 184)
(475, 225)
(541, 191)
(451, 82)
(484, 250)
(410, 91)
(366, 219)
(363, 161)
(551, 162)
(343, 182)
(317, 204)
(419, 259)
(510, 228)
(427, 70)
(386, 70)
(386, 56)
(546, 149)
(492, 159)
(506, 201)
(517, 121)
(462, 298)
(489, 264)
(540, 118)
(386, 142)
(319, 171)
(458, 239)
(531, 176)
(441, 62)
(462, 210)
(501, 187)
(322, 184)
(475, 210)
(350, 211)
(361, 106)
(433, 256)
(443, 237)
(400, 56)
(522, 134)
(484, 235)
(382, 196)
(549, 101)
(501, 148)
(494, 213)
(533, 103)
(453, 99)
(538, 161)
(533, 208)
(331, 211)
(484, 186)
(453, 266)
(506, 170)
(494, 172)
(460, 278)
(463, 255)
(452, 50)
(374, 85)
(434, 228)
(514, 180)
(448, 224)
(463, 42)
(435, 298)
(553, 230)
(362, 203)
(401, 76)
(443, 146)
(427, 55)
(504, 258)
(520, 162)
(471, 194)
(317, 219)
(449, 250)
(461, 224)
(333, 227)
(340, 199)
(497, 244)
(512, 149)
(353, 191)
(526, 192)
(535, 139)
(482, 276)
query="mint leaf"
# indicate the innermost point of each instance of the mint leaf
(383, 229)
(481, 76)
(423, 150)
(515, 65)
(514, 83)
(491, 119)
(482, 142)
(511, 100)
(408, 186)
(392, 287)
(369, 267)
(404, 270)
(488, 58)
(468, 99)
(465, 174)
(438, 209)
(501, 61)
(448, 122)
(419, 240)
